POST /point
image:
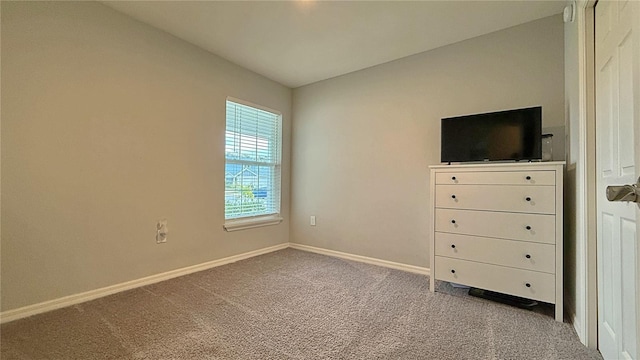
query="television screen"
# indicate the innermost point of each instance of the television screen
(503, 135)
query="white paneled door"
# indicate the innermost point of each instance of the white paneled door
(617, 47)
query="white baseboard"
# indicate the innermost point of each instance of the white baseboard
(26, 311)
(363, 259)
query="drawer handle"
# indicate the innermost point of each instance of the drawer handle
(453, 196)
(528, 198)
(528, 227)
(528, 177)
(528, 256)
(453, 246)
(527, 285)
(453, 271)
(453, 178)
(453, 221)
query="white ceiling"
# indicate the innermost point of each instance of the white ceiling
(300, 42)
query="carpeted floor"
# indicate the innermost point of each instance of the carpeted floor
(291, 305)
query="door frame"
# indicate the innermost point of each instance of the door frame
(586, 322)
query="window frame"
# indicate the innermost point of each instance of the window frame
(253, 221)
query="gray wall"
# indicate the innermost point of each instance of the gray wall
(362, 142)
(109, 125)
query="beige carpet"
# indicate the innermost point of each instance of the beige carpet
(291, 305)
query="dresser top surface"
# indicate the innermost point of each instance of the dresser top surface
(500, 165)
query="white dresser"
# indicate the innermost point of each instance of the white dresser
(499, 227)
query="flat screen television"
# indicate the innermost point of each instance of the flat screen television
(496, 136)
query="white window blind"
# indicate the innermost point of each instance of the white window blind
(252, 168)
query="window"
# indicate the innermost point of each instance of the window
(252, 166)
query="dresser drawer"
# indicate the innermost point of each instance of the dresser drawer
(542, 228)
(519, 254)
(541, 286)
(496, 178)
(526, 199)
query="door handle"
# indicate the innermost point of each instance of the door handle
(624, 192)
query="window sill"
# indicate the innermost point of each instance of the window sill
(252, 222)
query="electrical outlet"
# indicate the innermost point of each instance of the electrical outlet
(312, 220)
(161, 231)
